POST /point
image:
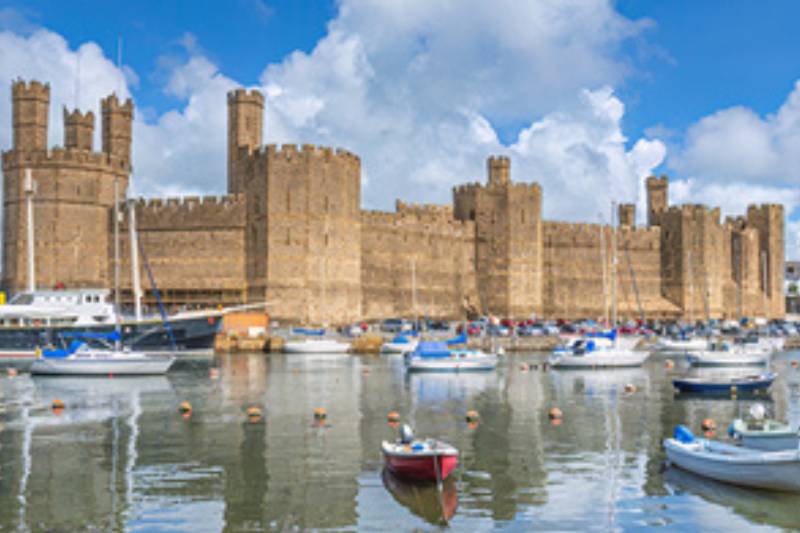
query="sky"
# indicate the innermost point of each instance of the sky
(587, 97)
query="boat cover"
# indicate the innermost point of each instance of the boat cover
(61, 353)
(305, 331)
(432, 349)
(110, 336)
(461, 339)
(400, 339)
(683, 434)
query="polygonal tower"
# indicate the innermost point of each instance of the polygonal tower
(508, 250)
(245, 123)
(73, 196)
(657, 199)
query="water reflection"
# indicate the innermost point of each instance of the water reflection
(424, 499)
(120, 456)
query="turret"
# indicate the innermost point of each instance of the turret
(627, 215)
(30, 103)
(78, 129)
(117, 121)
(245, 123)
(498, 170)
(657, 199)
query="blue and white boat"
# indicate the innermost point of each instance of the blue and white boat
(400, 344)
(726, 354)
(596, 352)
(77, 358)
(739, 385)
(772, 470)
(430, 356)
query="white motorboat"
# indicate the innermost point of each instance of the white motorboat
(400, 344)
(725, 354)
(438, 357)
(595, 353)
(773, 470)
(80, 359)
(316, 346)
(680, 346)
(762, 433)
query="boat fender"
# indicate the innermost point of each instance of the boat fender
(731, 432)
(683, 434)
(709, 424)
(669, 364)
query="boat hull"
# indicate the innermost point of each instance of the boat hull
(101, 367)
(696, 386)
(422, 468)
(727, 359)
(316, 346)
(600, 359)
(764, 470)
(194, 334)
(455, 363)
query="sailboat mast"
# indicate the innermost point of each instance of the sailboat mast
(30, 189)
(116, 259)
(613, 266)
(135, 274)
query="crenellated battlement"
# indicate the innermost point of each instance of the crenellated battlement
(291, 151)
(113, 103)
(558, 233)
(21, 89)
(433, 211)
(244, 95)
(66, 157)
(189, 212)
(433, 221)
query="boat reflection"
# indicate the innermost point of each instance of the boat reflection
(438, 389)
(424, 499)
(600, 381)
(763, 507)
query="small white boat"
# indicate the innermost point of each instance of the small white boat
(82, 360)
(679, 346)
(724, 354)
(595, 353)
(778, 470)
(316, 346)
(399, 344)
(762, 433)
(438, 357)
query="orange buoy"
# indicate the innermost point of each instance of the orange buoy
(320, 413)
(393, 416)
(253, 413)
(473, 425)
(12, 372)
(57, 404)
(213, 372)
(669, 364)
(555, 414)
(794, 364)
(524, 367)
(473, 416)
(709, 424)
(630, 388)
(185, 407)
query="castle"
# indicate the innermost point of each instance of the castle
(291, 231)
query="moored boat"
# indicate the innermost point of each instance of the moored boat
(723, 354)
(743, 384)
(80, 359)
(595, 353)
(399, 344)
(315, 346)
(438, 357)
(762, 433)
(772, 470)
(419, 459)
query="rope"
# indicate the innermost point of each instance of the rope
(161, 309)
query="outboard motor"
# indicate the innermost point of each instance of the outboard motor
(406, 434)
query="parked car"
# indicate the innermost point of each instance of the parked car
(396, 325)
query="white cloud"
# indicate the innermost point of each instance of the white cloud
(420, 100)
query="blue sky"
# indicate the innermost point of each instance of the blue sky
(587, 97)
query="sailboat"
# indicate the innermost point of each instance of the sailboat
(79, 358)
(604, 350)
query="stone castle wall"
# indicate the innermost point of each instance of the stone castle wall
(291, 232)
(417, 261)
(195, 247)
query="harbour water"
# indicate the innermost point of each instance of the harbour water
(120, 457)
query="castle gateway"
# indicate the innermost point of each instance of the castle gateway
(291, 231)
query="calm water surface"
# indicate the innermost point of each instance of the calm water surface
(121, 457)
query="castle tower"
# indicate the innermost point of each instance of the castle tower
(657, 199)
(117, 121)
(245, 123)
(508, 250)
(78, 130)
(74, 192)
(627, 215)
(768, 220)
(30, 103)
(498, 170)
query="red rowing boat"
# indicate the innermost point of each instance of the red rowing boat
(421, 460)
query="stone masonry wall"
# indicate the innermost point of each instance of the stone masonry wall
(422, 247)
